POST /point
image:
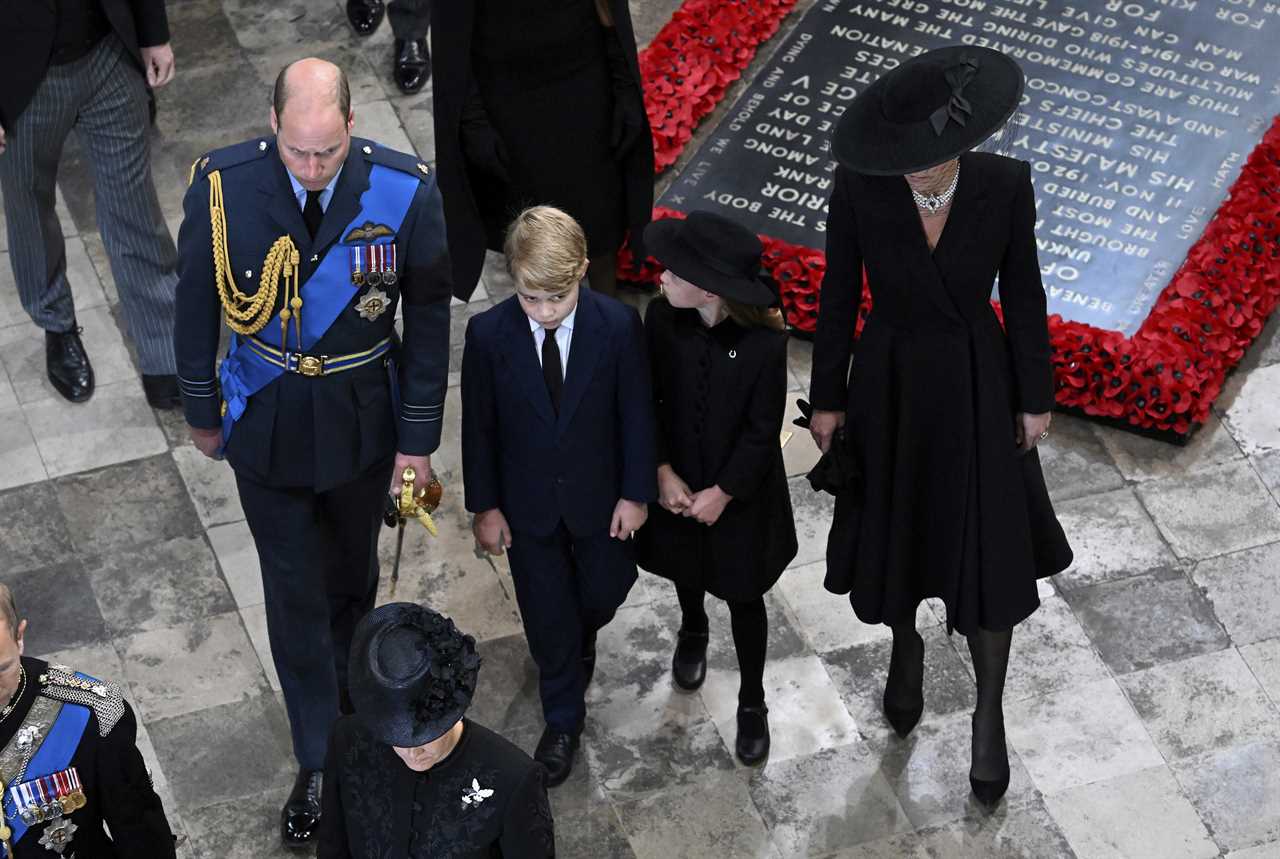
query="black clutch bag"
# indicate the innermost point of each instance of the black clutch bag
(837, 471)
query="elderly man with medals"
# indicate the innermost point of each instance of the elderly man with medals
(408, 776)
(304, 243)
(69, 762)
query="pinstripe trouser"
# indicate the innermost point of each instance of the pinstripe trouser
(103, 97)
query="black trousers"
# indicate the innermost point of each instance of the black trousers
(319, 558)
(567, 588)
(410, 19)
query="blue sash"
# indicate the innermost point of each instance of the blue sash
(54, 755)
(324, 296)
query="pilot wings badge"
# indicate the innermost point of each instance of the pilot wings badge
(367, 232)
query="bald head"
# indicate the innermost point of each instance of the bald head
(312, 85)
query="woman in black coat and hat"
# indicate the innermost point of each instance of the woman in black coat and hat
(408, 776)
(539, 102)
(723, 522)
(944, 407)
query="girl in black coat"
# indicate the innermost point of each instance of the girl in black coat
(723, 522)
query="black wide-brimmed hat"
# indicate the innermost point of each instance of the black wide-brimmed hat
(412, 674)
(713, 253)
(928, 110)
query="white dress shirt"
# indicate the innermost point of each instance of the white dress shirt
(564, 337)
(326, 193)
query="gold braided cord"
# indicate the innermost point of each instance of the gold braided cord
(248, 314)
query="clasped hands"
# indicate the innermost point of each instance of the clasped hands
(674, 495)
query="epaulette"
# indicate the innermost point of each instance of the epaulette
(377, 154)
(229, 156)
(105, 699)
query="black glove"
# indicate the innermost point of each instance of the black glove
(628, 105)
(481, 145)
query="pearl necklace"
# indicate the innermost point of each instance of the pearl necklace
(934, 203)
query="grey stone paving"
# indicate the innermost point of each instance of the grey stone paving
(1142, 703)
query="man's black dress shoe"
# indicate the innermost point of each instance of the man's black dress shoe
(68, 365)
(161, 391)
(365, 15)
(588, 660)
(555, 752)
(413, 65)
(753, 734)
(300, 818)
(689, 663)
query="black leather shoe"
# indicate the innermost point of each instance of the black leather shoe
(689, 663)
(588, 660)
(904, 689)
(555, 752)
(300, 818)
(365, 15)
(68, 365)
(753, 734)
(413, 65)
(991, 757)
(162, 391)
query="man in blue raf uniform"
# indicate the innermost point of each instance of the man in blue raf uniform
(304, 245)
(69, 762)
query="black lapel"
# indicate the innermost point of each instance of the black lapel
(584, 352)
(901, 217)
(968, 210)
(345, 203)
(282, 206)
(522, 355)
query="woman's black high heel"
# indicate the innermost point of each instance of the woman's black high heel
(903, 680)
(989, 791)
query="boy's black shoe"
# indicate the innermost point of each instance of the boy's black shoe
(555, 752)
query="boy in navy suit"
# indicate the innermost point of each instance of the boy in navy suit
(558, 457)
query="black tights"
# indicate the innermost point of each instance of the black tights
(990, 652)
(750, 638)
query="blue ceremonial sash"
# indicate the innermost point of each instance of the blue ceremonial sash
(324, 296)
(54, 755)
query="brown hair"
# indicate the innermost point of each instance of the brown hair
(546, 250)
(754, 316)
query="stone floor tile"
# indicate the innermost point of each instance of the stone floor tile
(826, 620)
(243, 828)
(115, 426)
(23, 351)
(1268, 467)
(593, 834)
(33, 530)
(212, 100)
(1253, 419)
(378, 120)
(507, 690)
(812, 512)
(1079, 735)
(59, 606)
(1242, 589)
(1141, 458)
(255, 623)
(8, 399)
(1148, 620)
(1202, 704)
(859, 673)
(800, 362)
(1050, 651)
(158, 585)
(806, 712)
(784, 638)
(126, 505)
(238, 558)
(1235, 791)
(1262, 851)
(192, 666)
(799, 453)
(1112, 537)
(929, 772)
(201, 35)
(262, 26)
(713, 813)
(642, 733)
(1213, 512)
(419, 124)
(86, 291)
(1263, 659)
(20, 461)
(497, 281)
(824, 801)
(211, 484)
(1074, 462)
(195, 749)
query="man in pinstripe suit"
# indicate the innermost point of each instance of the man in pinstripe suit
(85, 66)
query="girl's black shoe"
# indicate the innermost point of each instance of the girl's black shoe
(753, 734)
(689, 664)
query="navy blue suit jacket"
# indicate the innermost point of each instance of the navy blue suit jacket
(541, 468)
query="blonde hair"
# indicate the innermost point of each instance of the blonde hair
(754, 316)
(546, 250)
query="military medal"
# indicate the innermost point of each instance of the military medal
(372, 304)
(357, 265)
(374, 275)
(57, 836)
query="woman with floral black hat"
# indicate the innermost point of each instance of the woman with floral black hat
(944, 406)
(407, 776)
(723, 521)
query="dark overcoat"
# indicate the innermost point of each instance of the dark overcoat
(720, 397)
(451, 45)
(949, 507)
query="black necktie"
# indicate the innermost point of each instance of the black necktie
(551, 367)
(312, 214)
